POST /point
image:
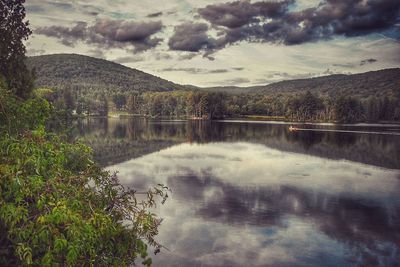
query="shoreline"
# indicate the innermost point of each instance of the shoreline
(249, 119)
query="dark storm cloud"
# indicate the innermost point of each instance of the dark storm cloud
(92, 13)
(218, 71)
(272, 22)
(344, 65)
(91, 10)
(191, 37)
(368, 61)
(108, 34)
(340, 17)
(188, 56)
(68, 36)
(154, 15)
(239, 13)
(352, 65)
(162, 56)
(120, 31)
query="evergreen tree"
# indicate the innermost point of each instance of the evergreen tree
(119, 101)
(103, 109)
(348, 109)
(13, 32)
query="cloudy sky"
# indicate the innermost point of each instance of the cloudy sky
(210, 43)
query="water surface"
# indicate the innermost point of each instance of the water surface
(256, 194)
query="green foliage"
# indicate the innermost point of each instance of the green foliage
(299, 107)
(65, 100)
(119, 100)
(57, 207)
(88, 76)
(94, 84)
(45, 93)
(348, 109)
(180, 104)
(17, 116)
(13, 31)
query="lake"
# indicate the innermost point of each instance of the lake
(256, 194)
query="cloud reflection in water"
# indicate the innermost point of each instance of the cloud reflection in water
(242, 204)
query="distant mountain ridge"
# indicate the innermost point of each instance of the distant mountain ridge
(381, 82)
(88, 73)
(378, 83)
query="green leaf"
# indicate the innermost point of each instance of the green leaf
(147, 262)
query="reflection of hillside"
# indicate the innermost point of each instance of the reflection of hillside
(109, 151)
(117, 140)
(370, 228)
(378, 150)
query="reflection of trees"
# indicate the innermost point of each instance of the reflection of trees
(342, 140)
(381, 150)
(120, 131)
(307, 139)
(115, 141)
(369, 228)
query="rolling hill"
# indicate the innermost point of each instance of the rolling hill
(93, 74)
(381, 82)
(378, 83)
(88, 73)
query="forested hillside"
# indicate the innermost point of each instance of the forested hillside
(374, 83)
(92, 75)
(94, 87)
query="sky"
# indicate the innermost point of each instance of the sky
(221, 43)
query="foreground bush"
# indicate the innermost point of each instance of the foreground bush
(57, 207)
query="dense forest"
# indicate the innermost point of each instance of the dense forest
(88, 75)
(93, 86)
(299, 107)
(211, 105)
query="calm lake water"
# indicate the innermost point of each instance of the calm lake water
(256, 194)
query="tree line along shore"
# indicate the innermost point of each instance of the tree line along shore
(219, 105)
